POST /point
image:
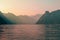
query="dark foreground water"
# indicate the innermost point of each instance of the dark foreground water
(30, 32)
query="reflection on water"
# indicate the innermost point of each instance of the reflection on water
(23, 32)
(29, 32)
(52, 32)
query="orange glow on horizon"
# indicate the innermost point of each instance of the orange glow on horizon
(23, 12)
(28, 7)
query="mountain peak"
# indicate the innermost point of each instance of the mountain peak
(47, 12)
(52, 18)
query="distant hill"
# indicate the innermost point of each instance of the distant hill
(50, 18)
(22, 19)
(29, 19)
(13, 18)
(36, 17)
(26, 19)
(4, 20)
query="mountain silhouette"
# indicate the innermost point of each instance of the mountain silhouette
(36, 17)
(22, 19)
(4, 20)
(12, 18)
(50, 18)
(26, 19)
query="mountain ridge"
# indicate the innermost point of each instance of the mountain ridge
(50, 18)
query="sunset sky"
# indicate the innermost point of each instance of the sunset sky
(28, 7)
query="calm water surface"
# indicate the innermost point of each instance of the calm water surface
(23, 32)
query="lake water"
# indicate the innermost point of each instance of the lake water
(30, 32)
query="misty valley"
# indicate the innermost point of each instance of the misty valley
(47, 18)
(38, 27)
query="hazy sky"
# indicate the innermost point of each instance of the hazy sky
(28, 7)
